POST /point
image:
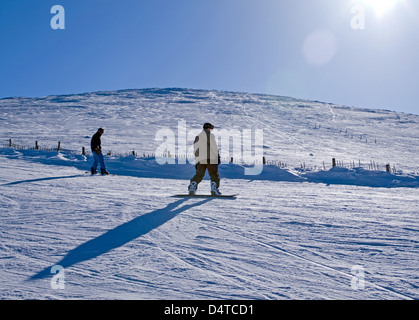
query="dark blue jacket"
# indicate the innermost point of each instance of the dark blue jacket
(96, 143)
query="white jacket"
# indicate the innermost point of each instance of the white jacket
(205, 148)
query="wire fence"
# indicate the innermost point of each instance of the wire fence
(183, 158)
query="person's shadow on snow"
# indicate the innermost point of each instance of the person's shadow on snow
(121, 235)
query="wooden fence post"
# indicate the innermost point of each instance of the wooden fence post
(387, 167)
(333, 162)
(59, 146)
(83, 151)
(10, 143)
(36, 145)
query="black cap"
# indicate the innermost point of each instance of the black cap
(208, 126)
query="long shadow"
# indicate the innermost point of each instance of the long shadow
(41, 179)
(120, 235)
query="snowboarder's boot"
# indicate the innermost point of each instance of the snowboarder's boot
(192, 188)
(93, 171)
(214, 189)
(104, 172)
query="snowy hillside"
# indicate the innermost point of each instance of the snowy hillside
(298, 230)
(296, 132)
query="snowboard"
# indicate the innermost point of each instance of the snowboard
(99, 174)
(230, 196)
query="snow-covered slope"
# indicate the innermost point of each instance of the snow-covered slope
(291, 234)
(296, 132)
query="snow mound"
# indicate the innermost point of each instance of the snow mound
(363, 177)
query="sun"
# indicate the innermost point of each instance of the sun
(381, 7)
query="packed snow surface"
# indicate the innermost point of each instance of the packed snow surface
(303, 230)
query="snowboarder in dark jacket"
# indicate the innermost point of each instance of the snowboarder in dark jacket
(96, 146)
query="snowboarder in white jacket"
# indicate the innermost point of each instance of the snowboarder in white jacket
(206, 158)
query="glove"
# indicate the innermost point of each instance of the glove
(97, 151)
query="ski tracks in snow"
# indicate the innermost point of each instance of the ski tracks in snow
(209, 270)
(267, 243)
(249, 248)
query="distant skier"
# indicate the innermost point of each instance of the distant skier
(206, 158)
(96, 147)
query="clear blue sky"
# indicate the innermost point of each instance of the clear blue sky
(299, 48)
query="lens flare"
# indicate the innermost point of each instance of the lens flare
(320, 47)
(381, 7)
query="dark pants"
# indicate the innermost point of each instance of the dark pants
(212, 171)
